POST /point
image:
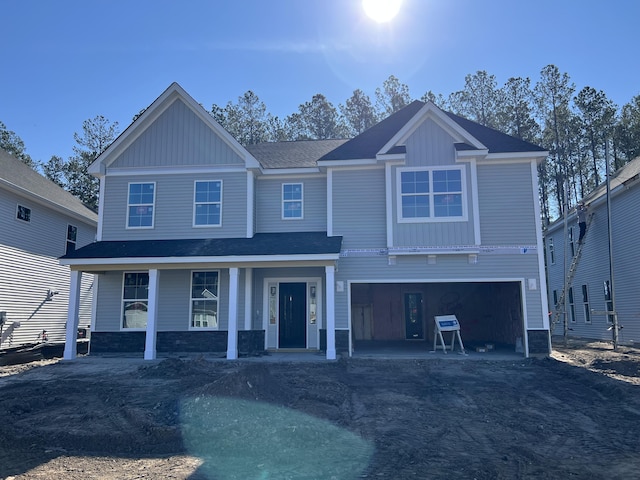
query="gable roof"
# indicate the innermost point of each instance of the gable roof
(370, 143)
(173, 93)
(15, 175)
(302, 153)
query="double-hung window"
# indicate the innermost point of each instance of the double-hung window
(204, 299)
(207, 210)
(135, 299)
(292, 201)
(72, 235)
(140, 205)
(431, 194)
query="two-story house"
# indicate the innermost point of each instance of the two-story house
(204, 245)
(39, 222)
(580, 297)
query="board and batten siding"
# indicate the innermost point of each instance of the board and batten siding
(430, 145)
(269, 205)
(24, 282)
(506, 203)
(174, 205)
(178, 137)
(359, 212)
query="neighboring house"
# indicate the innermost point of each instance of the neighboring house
(207, 246)
(39, 222)
(590, 294)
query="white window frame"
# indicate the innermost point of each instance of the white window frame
(288, 201)
(196, 203)
(585, 304)
(572, 306)
(552, 252)
(27, 212)
(192, 299)
(136, 300)
(431, 194)
(152, 205)
(69, 241)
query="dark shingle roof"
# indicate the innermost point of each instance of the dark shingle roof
(303, 153)
(302, 243)
(16, 174)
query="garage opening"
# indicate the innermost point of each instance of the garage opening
(402, 314)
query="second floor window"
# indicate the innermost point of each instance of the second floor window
(291, 200)
(140, 205)
(552, 252)
(72, 235)
(431, 194)
(207, 210)
(23, 213)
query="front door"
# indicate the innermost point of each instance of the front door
(292, 332)
(413, 316)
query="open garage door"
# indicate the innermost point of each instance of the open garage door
(403, 313)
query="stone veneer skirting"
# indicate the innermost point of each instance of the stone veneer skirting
(250, 342)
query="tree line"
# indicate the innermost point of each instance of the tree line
(573, 126)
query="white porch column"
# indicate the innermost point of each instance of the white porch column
(232, 338)
(152, 315)
(71, 334)
(331, 311)
(248, 292)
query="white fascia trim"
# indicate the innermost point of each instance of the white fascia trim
(289, 172)
(130, 171)
(326, 257)
(514, 157)
(100, 209)
(475, 202)
(32, 197)
(329, 202)
(542, 279)
(394, 157)
(165, 100)
(250, 203)
(429, 109)
(437, 280)
(347, 163)
(433, 251)
(481, 153)
(388, 180)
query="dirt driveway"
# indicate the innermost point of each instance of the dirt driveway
(575, 415)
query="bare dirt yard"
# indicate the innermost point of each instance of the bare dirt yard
(574, 415)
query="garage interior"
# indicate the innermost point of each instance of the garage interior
(402, 314)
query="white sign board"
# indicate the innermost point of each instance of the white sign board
(447, 323)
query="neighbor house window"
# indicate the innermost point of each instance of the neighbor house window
(552, 252)
(572, 306)
(572, 244)
(608, 300)
(23, 213)
(135, 299)
(555, 298)
(140, 205)
(72, 234)
(431, 194)
(207, 210)
(291, 200)
(204, 299)
(585, 304)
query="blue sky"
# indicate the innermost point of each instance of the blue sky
(66, 61)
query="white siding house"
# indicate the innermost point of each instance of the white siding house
(589, 294)
(39, 222)
(207, 246)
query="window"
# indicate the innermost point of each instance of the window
(572, 306)
(608, 300)
(555, 298)
(23, 213)
(572, 244)
(552, 252)
(140, 205)
(585, 304)
(431, 195)
(291, 200)
(207, 211)
(72, 234)
(135, 299)
(204, 299)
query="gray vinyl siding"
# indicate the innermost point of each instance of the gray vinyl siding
(430, 145)
(506, 203)
(25, 279)
(269, 206)
(359, 208)
(45, 234)
(173, 210)
(178, 137)
(593, 268)
(173, 300)
(409, 269)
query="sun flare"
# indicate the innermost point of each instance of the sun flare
(381, 10)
